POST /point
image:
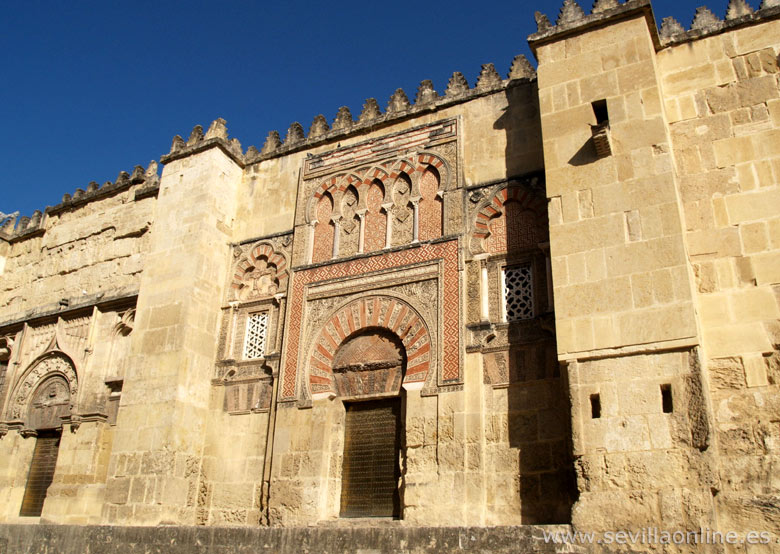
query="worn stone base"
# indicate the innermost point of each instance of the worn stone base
(66, 539)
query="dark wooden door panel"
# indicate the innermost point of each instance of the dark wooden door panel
(370, 468)
(41, 473)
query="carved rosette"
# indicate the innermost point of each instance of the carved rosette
(53, 364)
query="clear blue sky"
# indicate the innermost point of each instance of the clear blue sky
(93, 88)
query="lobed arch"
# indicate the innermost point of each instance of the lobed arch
(260, 273)
(495, 206)
(386, 314)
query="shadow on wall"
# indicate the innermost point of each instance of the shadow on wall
(538, 410)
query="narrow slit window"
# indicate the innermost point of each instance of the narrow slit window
(666, 399)
(254, 339)
(600, 111)
(595, 406)
(518, 293)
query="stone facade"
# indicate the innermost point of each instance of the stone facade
(568, 282)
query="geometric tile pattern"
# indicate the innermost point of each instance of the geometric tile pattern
(450, 316)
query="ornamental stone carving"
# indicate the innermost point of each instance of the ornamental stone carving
(60, 376)
(261, 273)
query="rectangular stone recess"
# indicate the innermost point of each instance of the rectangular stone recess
(3, 370)
(369, 484)
(41, 473)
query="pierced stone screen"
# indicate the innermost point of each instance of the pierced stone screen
(254, 340)
(519, 292)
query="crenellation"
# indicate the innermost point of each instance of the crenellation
(319, 127)
(294, 134)
(457, 85)
(737, 9)
(272, 143)
(542, 22)
(426, 94)
(177, 145)
(398, 103)
(217, 129)
(671, 28)
(600, 6)
(488, 78)
(370, 112)
(521, 69)
(196, 135)
(704, 20)
(570, 13)
(343, 120)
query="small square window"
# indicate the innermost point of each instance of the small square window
(254, 339)
(518, 293)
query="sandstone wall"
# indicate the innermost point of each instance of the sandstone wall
(92, 248)
(93, 344)
(162, 420)
(722, 100)
(624, 301)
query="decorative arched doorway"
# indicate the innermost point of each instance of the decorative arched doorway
(44, 398)
(368, 369)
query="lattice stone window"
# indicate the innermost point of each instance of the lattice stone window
(518, 292)
(254, 339)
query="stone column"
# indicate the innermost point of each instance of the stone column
(154, 467)
(362, 233)
(389, 226)
(416, 221)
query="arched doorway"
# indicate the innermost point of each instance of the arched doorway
(368, 369)
(49, 404)
(42, 399)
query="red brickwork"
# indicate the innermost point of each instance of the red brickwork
(430, 214)
(324, 231)
(337, 329)
(376, 220)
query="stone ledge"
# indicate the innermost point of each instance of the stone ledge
(66, 539)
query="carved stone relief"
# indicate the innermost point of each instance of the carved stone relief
(259, 273)
(508, 219)
(49, 404)
(349, 223)
(54, 364)
(369, 364)
(402, 211)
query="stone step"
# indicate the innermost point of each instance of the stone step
(363, 539)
